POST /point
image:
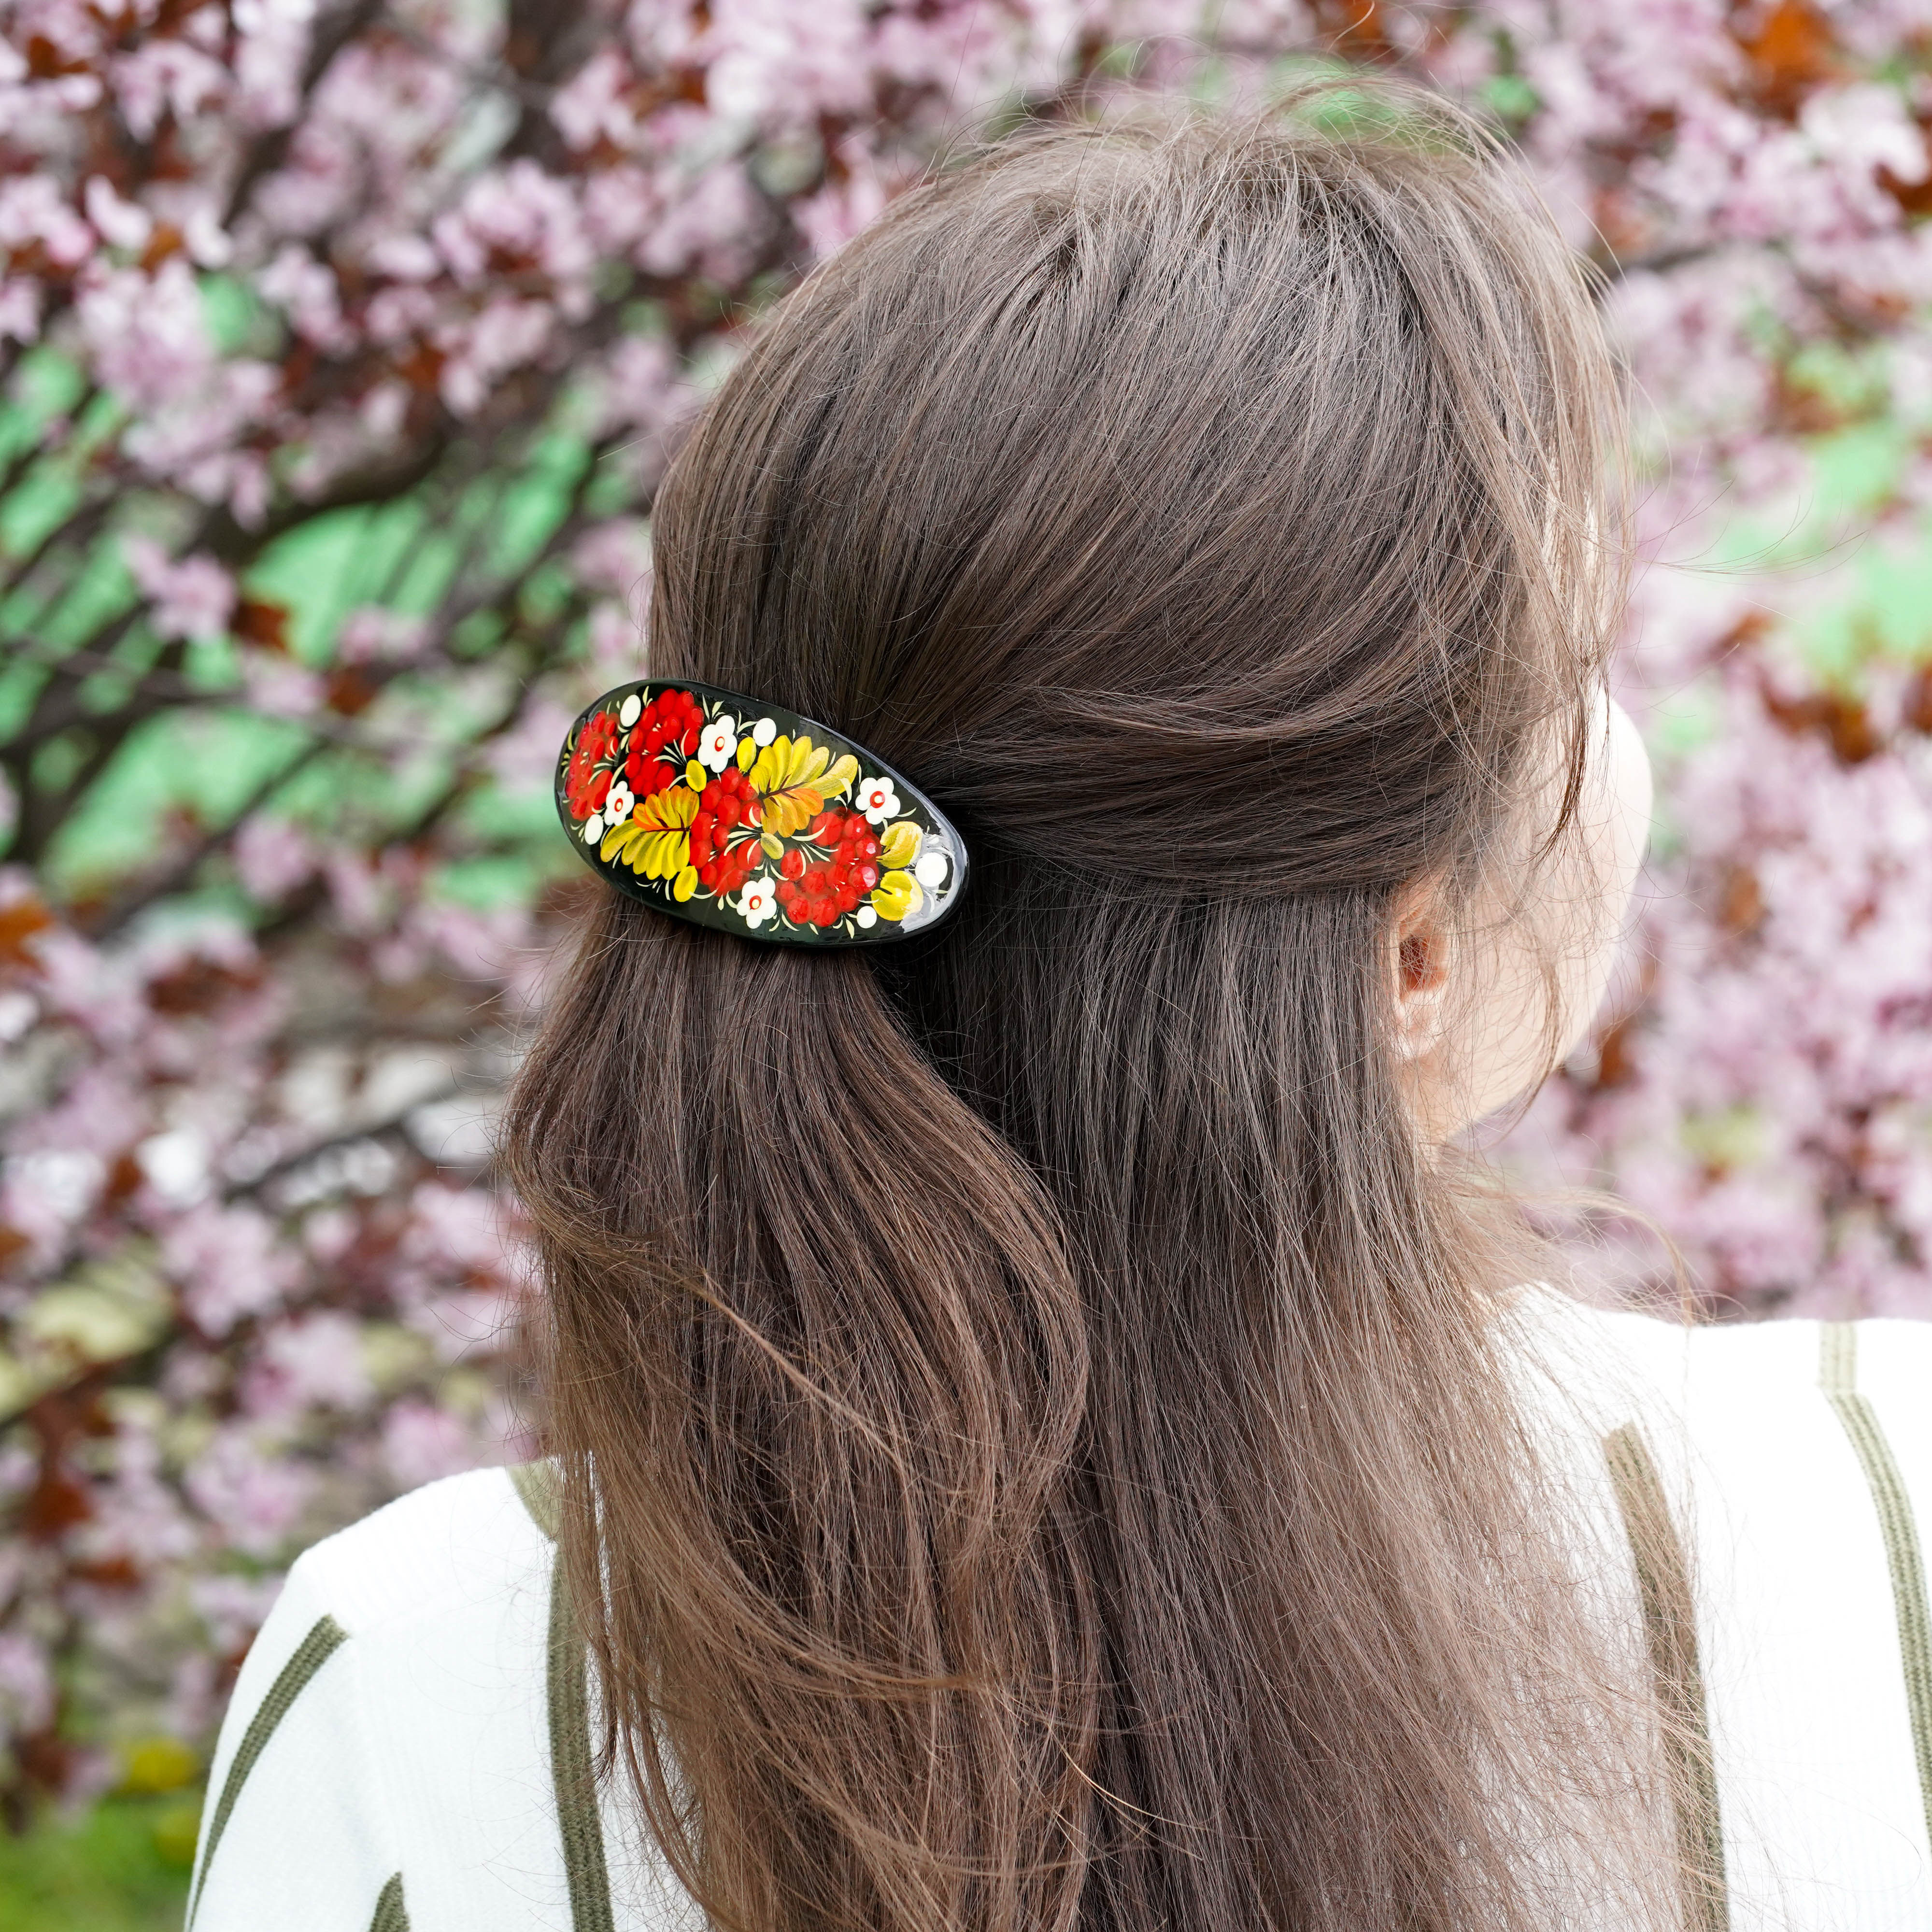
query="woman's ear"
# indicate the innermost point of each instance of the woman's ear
(1421, 961)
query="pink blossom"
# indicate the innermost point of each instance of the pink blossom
(617, 644)
(190, 438)
(33, 210)
(831, 218)
(396, 315)
(620, 204)
(356, 889)
(615, 556)
(704, 226)
(206, 241)
(250, 1492)
(316, 1360)
(446, 1226)
(234, 1607)
(765, 56)
(1864, 128)
(420, 1443)
(174, 1166)
(642, 390)
(277, 688)
(19, 310)
(122, 224)
(76, 983)
(477, 945)
(43, 1194)
(229, 1263)
(26, 1682)
(166, 75)
(591, 105)
(272, 47)
(305, 289)
(102, 1110)
(372, 635)
(272, 856)
(138, 1515)
(194, 597)
(521, 216)
(502, 335)
(524, 759)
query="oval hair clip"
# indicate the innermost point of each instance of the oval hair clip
(731, 813)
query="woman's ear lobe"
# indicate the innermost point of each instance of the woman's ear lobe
(1421, 957)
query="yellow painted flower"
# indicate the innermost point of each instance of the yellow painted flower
(655, 841)
(793, 777)
(897, 895)
(899, 845)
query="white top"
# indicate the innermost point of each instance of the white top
(406, 1745)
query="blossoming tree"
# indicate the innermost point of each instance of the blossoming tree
(339, 340)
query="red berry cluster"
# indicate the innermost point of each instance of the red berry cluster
(726, 803)
(583, 784)
(661, 740)
(820, 892)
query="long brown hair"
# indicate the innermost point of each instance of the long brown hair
(1038, 1448)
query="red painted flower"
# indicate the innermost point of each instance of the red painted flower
(584, 786)
(821, 891)
(727, 803)
(730, 870)
(662, 741)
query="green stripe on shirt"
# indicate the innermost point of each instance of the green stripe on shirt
(390, 1914)
(535, 1483)
(1838, 1376)
(571, 1771)
(572, 1774)
(324, 1636)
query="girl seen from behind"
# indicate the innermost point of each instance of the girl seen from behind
(1048, 1431)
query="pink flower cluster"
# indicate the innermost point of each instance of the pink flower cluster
(1760, 1086)
(338, 345)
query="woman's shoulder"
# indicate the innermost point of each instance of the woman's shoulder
(1771, 1484)
(1787, 1421)
(452, 1542)
(1657, 1354)
(391, 1729)
(1757, 1426)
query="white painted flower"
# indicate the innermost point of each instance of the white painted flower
(757, 901)
(719, 744)
(929, 869)
(593, 828)
(878, 800)
(630, 710)
(617, 806)
(764, 731)
(866, 917)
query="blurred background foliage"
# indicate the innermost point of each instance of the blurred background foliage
(341, 342)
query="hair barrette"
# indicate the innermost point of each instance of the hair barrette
(730, 813)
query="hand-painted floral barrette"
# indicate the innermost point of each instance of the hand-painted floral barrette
(730, 813)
